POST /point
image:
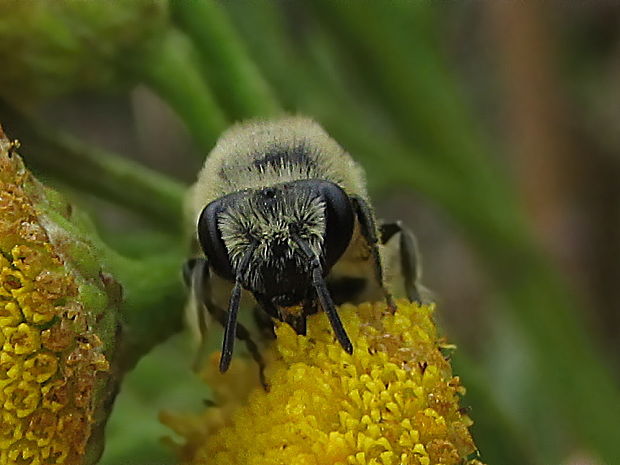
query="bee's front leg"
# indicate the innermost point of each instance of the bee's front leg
(196, 275)
(295, 321)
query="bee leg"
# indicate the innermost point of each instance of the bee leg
(298, 323)
(309, 308)
(388, 230)
(409, 256)
(268, 307)
(322, 293)
(366, 218)
(345, 289)
(243, 334)
(264, 323)
(273, 312)
(188, 268)
(198, 270)
(195, 274)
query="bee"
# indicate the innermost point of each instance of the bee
(282, 217)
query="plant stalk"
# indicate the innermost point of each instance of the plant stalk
(172, 73)
(58, 155)
(227, 65)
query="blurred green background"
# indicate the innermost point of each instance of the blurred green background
(490, 128)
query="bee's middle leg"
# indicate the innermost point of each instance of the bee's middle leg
(366, 218)
(264, 322)
(409, 256)
(196, 275)
(346, 289)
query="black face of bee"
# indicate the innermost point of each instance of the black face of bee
(279, 226)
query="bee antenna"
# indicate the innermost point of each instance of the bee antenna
(323, 294)
(230, 332)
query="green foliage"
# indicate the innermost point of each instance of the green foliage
(163, 380)
(51, 48)
(376, 77)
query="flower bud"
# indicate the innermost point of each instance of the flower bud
(58, 325)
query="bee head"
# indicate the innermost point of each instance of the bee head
(283, 227)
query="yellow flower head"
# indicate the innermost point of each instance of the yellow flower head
(394, 401)
(53, 342)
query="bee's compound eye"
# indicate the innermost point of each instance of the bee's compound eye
(210, 239)
(338, 224)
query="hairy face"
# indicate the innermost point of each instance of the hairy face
(268, 220)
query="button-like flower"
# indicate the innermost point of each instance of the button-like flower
(57, 325)
(394, 401)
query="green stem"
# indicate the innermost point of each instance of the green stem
(569, 360)
(90, 169)
(232, 72)
(495, 432)
(403, 69)
(153, 299)
(173, 75)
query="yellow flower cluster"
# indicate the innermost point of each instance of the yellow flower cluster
(393, 402)
(49, 356)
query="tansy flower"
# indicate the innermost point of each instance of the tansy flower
(57, 326)
(394, 401)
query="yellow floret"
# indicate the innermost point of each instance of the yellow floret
(394, 401)
(46, 392)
